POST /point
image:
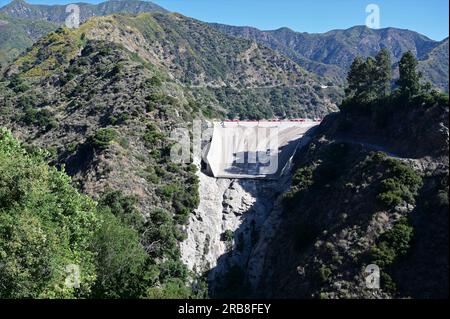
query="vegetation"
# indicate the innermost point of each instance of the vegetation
(103, 138)
(47, 225)
(368, 96)
(341, 189)
(392, 245)
(369, 79)
(401, 184)
(228, 235)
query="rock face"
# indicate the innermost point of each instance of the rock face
(234, 223)
(231, 226)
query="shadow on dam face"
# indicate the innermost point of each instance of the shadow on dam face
(255, 150)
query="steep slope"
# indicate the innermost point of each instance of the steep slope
(227, 75)
(21, 23)
(16, 35)
(105, 115)
(331, 53)
(366, 191)
(435, 65)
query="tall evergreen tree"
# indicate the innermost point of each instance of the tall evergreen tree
(369, 89)
(384, 72)
(354, 77)
(361, 80)
(409, 81)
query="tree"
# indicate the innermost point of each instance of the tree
(369, 88)
(354, 77)
(45, 226)
(409, 81)
(121, 260)
(361, 80)
(384, 73)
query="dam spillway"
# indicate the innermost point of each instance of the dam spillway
(254, 149)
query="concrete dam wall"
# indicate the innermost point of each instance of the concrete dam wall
(254, 149)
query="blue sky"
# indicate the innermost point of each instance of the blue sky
(429, 17)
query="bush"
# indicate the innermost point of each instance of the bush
(40, 118)
(324, 273)
(392, 244)
(154, 81)
(402, 184)
(387, 283)
(303, 178)
(121, 260)
(167, 191)
(152, 136)
(172, 289)
(17, 84)
(228, 235)
(103, 138)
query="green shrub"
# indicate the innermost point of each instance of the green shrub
(172, 289)
(17, 84)
(401, 184)
(228, 235)
(154, 81)
(167, 191)
(324, 273)
(152, 176)
(392, 244)
(152, 136)
(303, 178)
(103, 138)
(41, 118)
(387, 283)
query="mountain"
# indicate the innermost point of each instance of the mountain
(103, 98)
(16, 35)
(57, 13)
(102, 101)
(330, 54)
(21, 23)
(434, 65)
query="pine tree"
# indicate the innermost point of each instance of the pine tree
(369, 89)
(409, 81)
(354, 77)
(384, 73)
(361, 80)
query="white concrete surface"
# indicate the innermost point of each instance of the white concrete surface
(254, 149)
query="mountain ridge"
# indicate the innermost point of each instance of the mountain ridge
(331, 53)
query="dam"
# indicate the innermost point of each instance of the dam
(255, 149)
